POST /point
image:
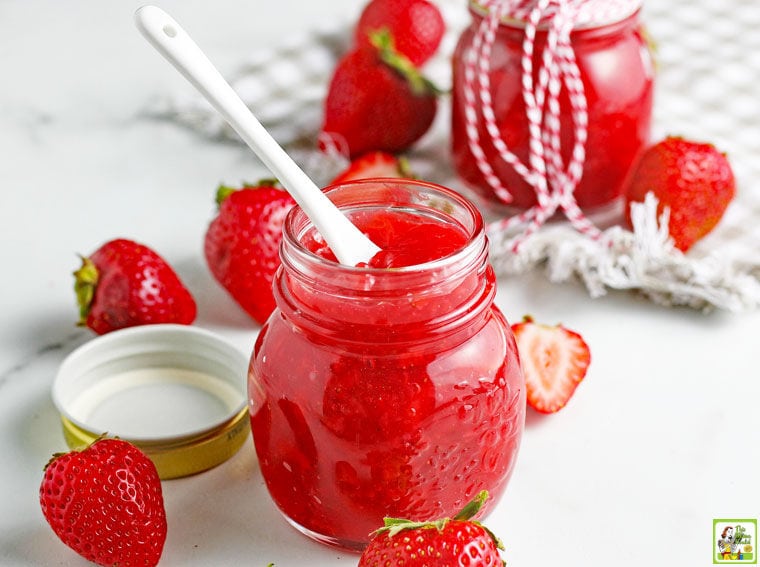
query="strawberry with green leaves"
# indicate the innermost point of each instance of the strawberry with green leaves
(416, 25)
(242, 242)
(124, 284)
(456, 541)
(554, 360)
(693, 180)
(105, 502)
(377, 100)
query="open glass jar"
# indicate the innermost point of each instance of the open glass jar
(616, 70)
(385, 391)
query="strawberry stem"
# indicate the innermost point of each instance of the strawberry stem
(472, 507)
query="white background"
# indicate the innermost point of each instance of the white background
(660, 439)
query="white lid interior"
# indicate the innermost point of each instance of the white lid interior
(151, 383)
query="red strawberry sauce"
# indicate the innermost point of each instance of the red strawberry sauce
(617, 73)
(388, 390)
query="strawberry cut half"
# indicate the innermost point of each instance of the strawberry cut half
(554, 360)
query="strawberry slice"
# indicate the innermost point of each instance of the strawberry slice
(374, 164)
(554, 361)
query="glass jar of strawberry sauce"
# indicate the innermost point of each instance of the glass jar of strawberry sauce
(616, 70)
(392, 389)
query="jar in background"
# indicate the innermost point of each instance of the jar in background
(616, 69)
(385, 391)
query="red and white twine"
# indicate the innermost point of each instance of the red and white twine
(553, 181)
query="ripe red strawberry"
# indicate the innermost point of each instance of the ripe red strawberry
(105, 503)
(554, 360)
(374, 164)
(693, 179)
(123, 284)
(456, 541)
(242, 244)
(377, 100)
(416, 25)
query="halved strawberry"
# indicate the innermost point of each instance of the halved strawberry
(554, 361)
(374, 164)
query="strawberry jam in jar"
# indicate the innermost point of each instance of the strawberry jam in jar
(392, 389)
(616, 70)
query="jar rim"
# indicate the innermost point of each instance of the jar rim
(297, 224)
(479, 8)
(386, 304)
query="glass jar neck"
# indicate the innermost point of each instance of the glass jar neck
(414, 303)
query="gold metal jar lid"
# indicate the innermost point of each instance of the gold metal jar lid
(175, 391)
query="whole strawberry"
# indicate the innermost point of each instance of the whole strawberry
(105, 503)
(416, 25)
(554, 360)
(242, 244)
(694, 180)
(449, 542)
(378, 100)
(124, 283)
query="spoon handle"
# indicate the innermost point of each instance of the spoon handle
(347, 242)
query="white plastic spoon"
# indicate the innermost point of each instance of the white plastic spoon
(349, 244)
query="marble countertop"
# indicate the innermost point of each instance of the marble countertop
(659, 440)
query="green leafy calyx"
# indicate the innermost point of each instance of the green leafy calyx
(85, 282)
(382, 40)
(394, 526)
